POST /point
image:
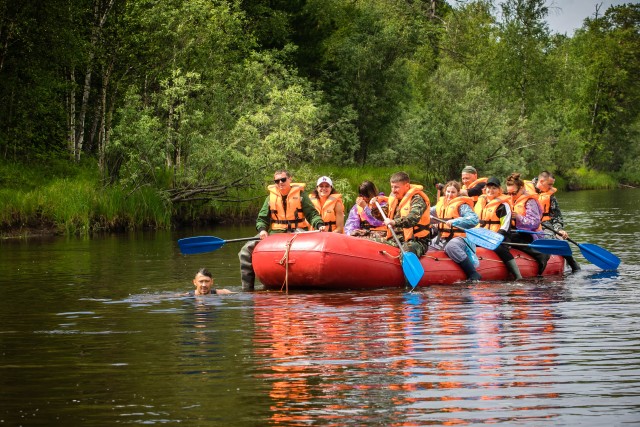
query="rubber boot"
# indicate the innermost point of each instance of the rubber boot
(470, 270)
(247, 275)
(571, 261)
(542, 260)
(512, 268)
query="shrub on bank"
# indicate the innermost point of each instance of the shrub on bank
(80, 206)
(589, 179)
(72, 200)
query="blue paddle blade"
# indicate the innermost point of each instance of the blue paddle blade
(412, 268)
(199, 244)
(599, 256)
(484, 237)
(552, 247)
(528, 231)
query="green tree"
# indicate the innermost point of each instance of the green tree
(521, 71)
(460, 123)
(38, 42)
(606, 101)
(363, 49)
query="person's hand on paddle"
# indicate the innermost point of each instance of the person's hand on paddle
(322, 228)
(378, 199)
(389, 221)
(263, 234)
(563, 234)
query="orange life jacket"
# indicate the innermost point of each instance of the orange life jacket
(421, 229)
(487, 211)
(529, 187)
(451, 210)
(544, 198)
(364, 223)
(520, 206)
(328, 210)
(473, 184)
(294, 217)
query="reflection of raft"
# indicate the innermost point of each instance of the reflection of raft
(336, 261)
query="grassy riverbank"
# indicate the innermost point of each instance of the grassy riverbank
(60, 198)
(63, 199)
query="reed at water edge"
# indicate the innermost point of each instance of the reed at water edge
(71, 200)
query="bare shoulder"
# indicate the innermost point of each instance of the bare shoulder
(224, 292)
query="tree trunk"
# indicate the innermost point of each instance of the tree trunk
(83, 109)
(168, 149)
(5, 45)
(99, 21)
(102, 133)
(9, 120)
(71, 121)
(91, 141)
(594, 116)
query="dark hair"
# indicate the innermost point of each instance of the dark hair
(514, 179)
(284, 171)
(317, 195)
(205, 272)
(453, 183)
(545, 175)
(400, 177)
(367, 189)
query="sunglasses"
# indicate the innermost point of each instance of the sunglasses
(280, 180)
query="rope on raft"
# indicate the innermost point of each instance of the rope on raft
(285, 260)
(389, 255)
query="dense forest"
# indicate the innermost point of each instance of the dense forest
(188, 98)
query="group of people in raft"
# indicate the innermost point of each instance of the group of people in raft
(473, 202)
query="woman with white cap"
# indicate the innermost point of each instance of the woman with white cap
(328, 203)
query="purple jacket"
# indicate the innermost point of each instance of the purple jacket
(531, 220)
(353, 220)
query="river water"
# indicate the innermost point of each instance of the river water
(95, 332)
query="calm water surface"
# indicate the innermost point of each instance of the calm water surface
(94, 332)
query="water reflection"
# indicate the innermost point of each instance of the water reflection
(94, 332)
(330, 356)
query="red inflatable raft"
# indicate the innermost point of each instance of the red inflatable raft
(336, 261)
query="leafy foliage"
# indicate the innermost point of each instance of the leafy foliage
(198, 100)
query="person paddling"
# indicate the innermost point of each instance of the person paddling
(526, 215)
(458, 213)
(494, 211)
(409, 215)
(286, 209)
(551, 215)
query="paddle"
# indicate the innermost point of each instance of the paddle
(482, 237)
(202, 244)
(547, 246)
(593, 253)
(413, 270)
(517, 230)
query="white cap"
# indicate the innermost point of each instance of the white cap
(324, 179)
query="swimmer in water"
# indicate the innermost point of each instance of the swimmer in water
(203, 281)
